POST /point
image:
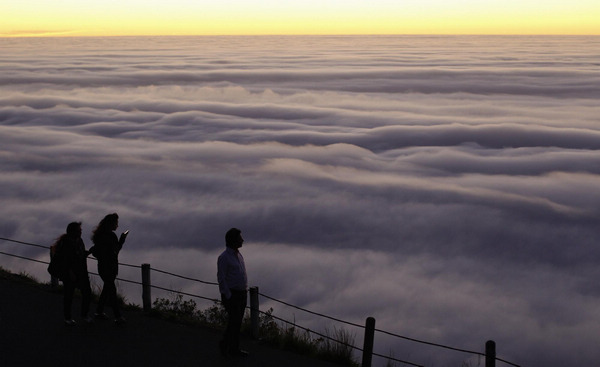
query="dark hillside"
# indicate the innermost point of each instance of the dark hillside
(32, 334)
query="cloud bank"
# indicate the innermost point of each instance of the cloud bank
(449, 187)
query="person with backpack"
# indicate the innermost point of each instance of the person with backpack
(106, 250)
(70, 260)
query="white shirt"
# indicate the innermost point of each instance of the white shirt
(231, 272)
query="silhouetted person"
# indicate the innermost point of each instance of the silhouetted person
(233, 285)
(106, 250)
(75, 272)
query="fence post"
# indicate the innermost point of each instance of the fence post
(254, 312)
(490, 353)
(146, 287)
(368, 342)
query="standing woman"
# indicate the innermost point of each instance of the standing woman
(75, 275)
(106, 249)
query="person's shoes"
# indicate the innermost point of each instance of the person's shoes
(223, 348)
(88, 320)
(240, 353)
(100, 316)
(120, 321)
(70, 322)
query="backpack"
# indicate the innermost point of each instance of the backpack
(57, 266)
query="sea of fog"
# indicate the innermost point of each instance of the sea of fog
(449, 187)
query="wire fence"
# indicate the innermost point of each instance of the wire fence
(308, 330)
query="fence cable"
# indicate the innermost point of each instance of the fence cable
(24, 243)
(429, 343)
(312, 312)
(337, 341)
(311, 331)
(129, 265)
(396, 360)
(184, 277)
(507, 362)
(25, 258)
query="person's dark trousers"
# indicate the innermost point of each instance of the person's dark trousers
(235, 307)
(69, 286)
(109, 295)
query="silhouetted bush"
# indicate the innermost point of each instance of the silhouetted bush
(279, 334)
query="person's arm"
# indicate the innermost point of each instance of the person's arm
(115, 243)
(82, 246)
(123, 238)
(222, 265)
(95, 251)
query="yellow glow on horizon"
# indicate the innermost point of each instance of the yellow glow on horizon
(255, 17)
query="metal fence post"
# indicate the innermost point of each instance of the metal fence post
(368, 342)
(254, 312)
(146, 288)
(490, 353)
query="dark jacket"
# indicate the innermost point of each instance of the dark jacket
(106, 249)
(75, 257)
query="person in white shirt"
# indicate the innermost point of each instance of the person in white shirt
(233, 286)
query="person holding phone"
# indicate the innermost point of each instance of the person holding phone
(106, 250)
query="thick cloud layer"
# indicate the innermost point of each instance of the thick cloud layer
(449, 187)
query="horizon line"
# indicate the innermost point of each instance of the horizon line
(61, 34)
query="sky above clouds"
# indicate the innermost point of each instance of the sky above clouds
(276, 17)
(447, 186)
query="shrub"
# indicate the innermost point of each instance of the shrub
(176, 308)
(335, 347)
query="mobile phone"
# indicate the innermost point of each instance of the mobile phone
(126, 232)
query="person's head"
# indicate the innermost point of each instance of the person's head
(109, 223)
(233, 238)
(74, 229)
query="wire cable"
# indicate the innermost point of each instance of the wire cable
(184, 277)
(429, 343)
(312, 312)
(24, 243)
(25, 258)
